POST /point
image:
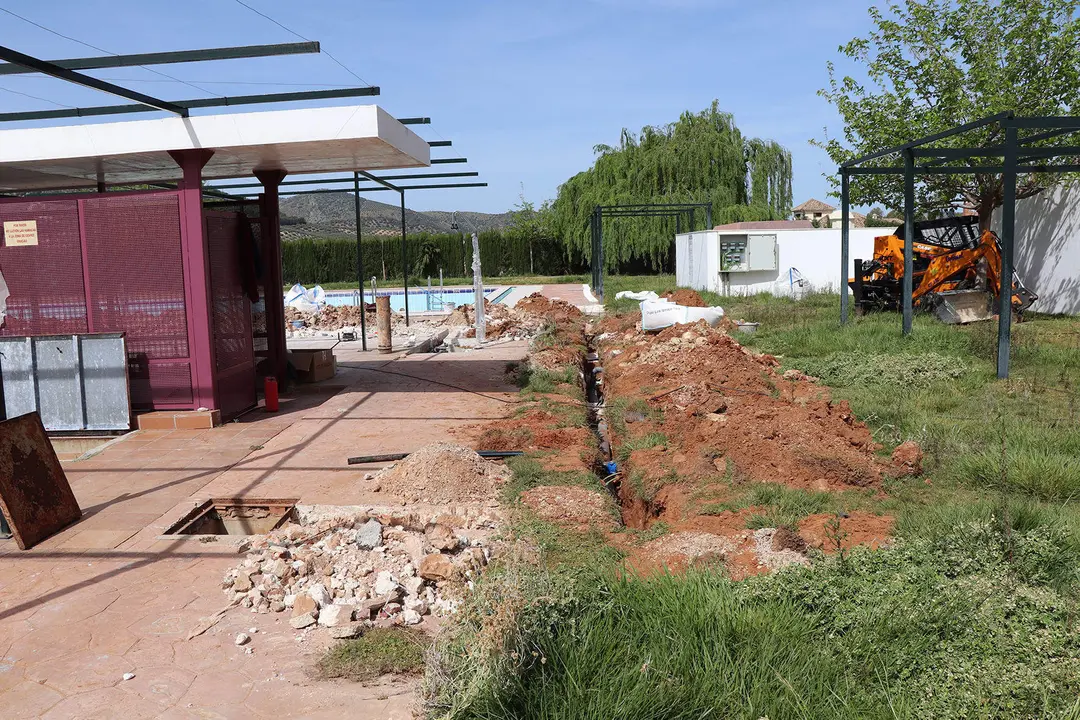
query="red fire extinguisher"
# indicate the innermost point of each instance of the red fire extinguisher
(270, 391)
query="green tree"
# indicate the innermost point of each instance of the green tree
(530, 225)
(700, 158)
(929, 65)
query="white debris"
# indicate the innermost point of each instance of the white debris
(323, 569)
(129, 676)
(242, 638)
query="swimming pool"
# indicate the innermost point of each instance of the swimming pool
(420, 300)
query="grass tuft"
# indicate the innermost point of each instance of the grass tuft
(380, 651)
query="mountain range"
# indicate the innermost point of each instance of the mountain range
(334, 215)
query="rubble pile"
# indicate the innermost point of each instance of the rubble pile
(331, 317)
(442, 473)
(350, 570)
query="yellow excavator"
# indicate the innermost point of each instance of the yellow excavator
(957, 272)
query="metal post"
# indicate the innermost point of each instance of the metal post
(360, 262)
(1008, 228)
(599, 255)
(708, 216)
(404, 259)
(678, 224)
(478, 293)
(909, 236)
(845, 244)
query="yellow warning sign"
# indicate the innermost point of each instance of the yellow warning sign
(20, 233)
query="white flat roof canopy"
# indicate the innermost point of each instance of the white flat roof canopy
(334, 139)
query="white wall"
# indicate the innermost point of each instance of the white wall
(1048, 248)
(814, 253)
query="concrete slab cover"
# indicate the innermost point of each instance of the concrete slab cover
(34, 492)
(330, 139)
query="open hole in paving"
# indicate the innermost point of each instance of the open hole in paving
(236, 516)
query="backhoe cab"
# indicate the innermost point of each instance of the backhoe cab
(957, 272)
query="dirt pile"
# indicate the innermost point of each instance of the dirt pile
(330, 317)
(444, 473)
(562, 343)
(729, 407)
(347, 570)
(571, 506)
(686, 297)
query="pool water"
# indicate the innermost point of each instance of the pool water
(419, 300)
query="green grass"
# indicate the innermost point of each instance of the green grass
(527, 473)
(971, 614)
(643, 442)
(379, 651)
(954, 625)
(538, 380)
(785, 506)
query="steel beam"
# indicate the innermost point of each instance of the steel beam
(405, 262)
(186, 105)
(323, 191)
(932, 138)
(440, 143)
(360, 262)
(47, 68)
(448, 161)
(909, 237)
(415, 121)
(1008, 227)
(335, 181)
(845, 241)
(178, 56)
(1038, 123)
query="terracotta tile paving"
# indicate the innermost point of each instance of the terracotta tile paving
(108, 595)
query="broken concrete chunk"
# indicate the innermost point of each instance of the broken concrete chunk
(320, 594)
(413, 584)
(345, 632)
(304, 605)
(242, 639)
(277, 606)
(384, 583)
(410, 617)
(242, 584)
(302, 621)
(334, 615)
(437, 567)
(369, 535)
(440, 537)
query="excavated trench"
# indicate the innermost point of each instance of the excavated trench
(635, 511)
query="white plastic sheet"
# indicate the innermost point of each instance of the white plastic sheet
(304, 300)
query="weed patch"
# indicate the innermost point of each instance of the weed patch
(380, 651)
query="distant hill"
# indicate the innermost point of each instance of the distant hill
(334, 215)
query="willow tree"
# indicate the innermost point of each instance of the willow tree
(930, 65)
(701, 158)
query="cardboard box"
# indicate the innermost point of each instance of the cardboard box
(313, 365)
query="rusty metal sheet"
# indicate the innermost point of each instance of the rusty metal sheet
(34, 492)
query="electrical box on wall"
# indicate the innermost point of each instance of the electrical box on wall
(762, 252)
(747, 253)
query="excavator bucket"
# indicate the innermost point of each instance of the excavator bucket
(960, 307)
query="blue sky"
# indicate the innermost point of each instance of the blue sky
(524, 89)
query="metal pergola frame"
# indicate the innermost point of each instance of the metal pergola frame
(384, 185)
(1016, 159)
(20, 63)
(596, 228)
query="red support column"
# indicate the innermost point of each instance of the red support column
(197, 276)
(270, 225)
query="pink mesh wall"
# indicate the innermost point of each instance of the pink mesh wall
(136, 276)
(230, 313)
(45, 280)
